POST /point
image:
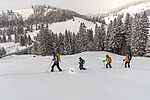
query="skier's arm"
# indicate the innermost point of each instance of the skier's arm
(104, 60)
(125, 59)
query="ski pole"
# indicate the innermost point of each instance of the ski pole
(104, 64)
(122, 63)
(49, 66)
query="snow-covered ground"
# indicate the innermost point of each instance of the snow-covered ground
(24, 78)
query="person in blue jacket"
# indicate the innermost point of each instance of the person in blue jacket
(56, 60)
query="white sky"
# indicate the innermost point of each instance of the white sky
(81, 6)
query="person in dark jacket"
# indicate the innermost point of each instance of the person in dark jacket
(56, 60)
(81, 63)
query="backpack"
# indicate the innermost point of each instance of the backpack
(129, 57)
(110, 60)
(58, 56)
(83, 61)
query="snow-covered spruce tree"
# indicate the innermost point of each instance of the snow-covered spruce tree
(60, 44)
(25, 39)
(4, 38)
(85, 37)
(117, 35)
(29, 41)
(45, 42)
(21, 40)
(79, 43)
(68, 47)
(20, 30)
(9, 38)
(99, 38)
(28, 28)
(81, 39)
(25, 31)
(85, 41)
(36, 27)
(145, 22)
(31, 28)
(90, 34)
(97, 44)
(1, 41)
(148, 48)
(9, 30)
(139, 37)
(90, 44)
(134, 36)
(16, 37)
(54, 40)
(82, 28)
(103, 35)
(127, 31)
(109, 37)
(35, 48)
(144, 30)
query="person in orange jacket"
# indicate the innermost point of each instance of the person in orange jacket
(127, 59)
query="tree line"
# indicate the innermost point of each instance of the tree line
(123, 35)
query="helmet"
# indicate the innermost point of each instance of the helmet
(80, 58)
(107, 56)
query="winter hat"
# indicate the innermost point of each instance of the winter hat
(107, 56)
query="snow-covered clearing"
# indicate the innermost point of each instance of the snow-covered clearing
(24, 78)
(72, 25)
(11, 47)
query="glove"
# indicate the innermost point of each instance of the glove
(103, 61)
(53, 59)
(123, 60)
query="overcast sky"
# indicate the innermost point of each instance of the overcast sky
(81, 6)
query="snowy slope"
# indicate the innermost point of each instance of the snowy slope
(132, 10)
(71, 25)
(24, 78)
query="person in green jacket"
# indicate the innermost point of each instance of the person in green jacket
(108, 60)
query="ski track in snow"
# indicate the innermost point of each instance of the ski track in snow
(24, 78)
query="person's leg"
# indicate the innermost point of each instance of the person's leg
(83, 68)
(80, 66)
(110, 65)
(52, 68)
(126, 64)
(107, 65)
(59, 67)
